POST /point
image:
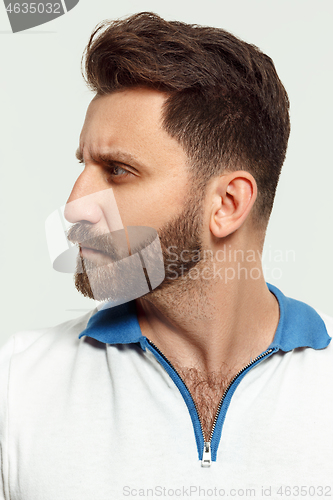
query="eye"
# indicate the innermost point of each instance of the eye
(116, 171)
(113, 171)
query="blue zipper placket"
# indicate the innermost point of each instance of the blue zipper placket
(207, 450)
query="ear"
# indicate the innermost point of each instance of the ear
(233, 197)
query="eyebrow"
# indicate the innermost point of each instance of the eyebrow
(111, 156)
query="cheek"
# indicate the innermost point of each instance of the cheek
(149, 206)
(142, 211)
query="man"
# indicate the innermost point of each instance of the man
(212, 383)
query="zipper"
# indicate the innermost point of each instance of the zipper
(174, 369)
(261, 356)
(206, 454)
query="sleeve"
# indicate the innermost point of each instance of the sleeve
(6, 352)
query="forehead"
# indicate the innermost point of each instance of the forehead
(129, 121)
(139, 103)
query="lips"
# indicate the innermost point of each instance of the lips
(91, 252)
(89, 249)
(94, 255)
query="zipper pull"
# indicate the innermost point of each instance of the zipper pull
(206, 457)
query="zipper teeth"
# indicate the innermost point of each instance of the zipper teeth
(225, 392)
(232, 381)
(171, 365)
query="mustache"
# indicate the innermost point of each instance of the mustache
(114, 244)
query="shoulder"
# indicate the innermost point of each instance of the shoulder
(328, 320)
(33, 362)
(318, 362)
(26, 347)
(328, 325)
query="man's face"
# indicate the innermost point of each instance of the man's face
(125, 148)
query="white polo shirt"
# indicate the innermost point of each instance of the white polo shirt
(91, 410)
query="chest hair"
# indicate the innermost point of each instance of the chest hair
(206, 391)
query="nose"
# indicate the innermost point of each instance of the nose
(82, 204)
(91, 201)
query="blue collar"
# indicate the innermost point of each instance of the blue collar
(299, 325)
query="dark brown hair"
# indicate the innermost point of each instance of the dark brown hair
(226, 105)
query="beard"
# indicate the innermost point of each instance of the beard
(181, 246)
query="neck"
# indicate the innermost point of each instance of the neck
(211, 324)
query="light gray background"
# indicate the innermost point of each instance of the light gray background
(43, 104)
